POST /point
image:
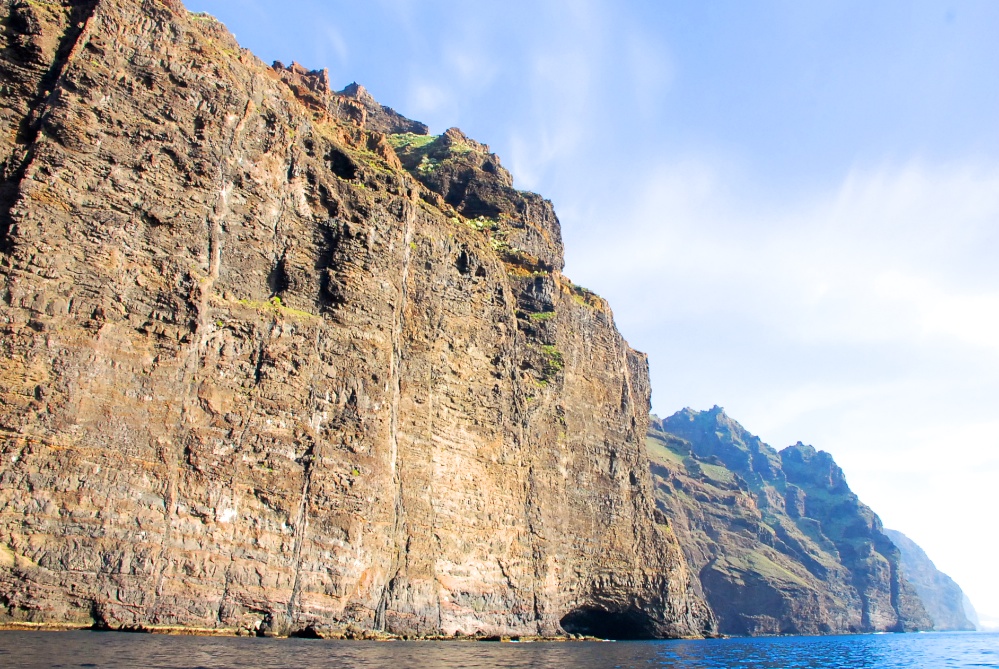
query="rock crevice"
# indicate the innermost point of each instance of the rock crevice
(277, 360)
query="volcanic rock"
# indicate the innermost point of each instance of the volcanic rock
(780, 542)
(944, 600)
(259, 376)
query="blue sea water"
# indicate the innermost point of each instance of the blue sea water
(71, 650)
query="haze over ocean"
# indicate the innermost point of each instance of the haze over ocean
(792, 207)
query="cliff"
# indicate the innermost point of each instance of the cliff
(945, 602)
(275, 359)
(780, 542)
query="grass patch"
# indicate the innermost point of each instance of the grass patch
(660, 452)
(460, 148)
(483, 224)
(554, 356)
(428, 165)
(554, 362)
(407, 140)
(543, 316)
(759, 563)
(718, 473)
(585, 296)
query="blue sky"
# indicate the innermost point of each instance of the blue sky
(793, 207)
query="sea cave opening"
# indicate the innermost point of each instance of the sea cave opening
(627, 625)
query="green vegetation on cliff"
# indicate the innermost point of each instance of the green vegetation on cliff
(277, 360)
(780, 542)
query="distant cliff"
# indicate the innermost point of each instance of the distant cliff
(781, 544)
(944, 600)
(275, 359)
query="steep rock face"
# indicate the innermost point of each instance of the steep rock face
(944, 600)
(781, 544)
(889, 600)
(259, 375)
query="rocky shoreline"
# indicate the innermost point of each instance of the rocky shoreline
(308, 633)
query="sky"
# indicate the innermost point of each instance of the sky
(792, 207)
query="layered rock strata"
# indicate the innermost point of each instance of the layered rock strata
(258, 374)
(780, 542)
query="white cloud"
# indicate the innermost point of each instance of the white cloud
(428, 99)
(559, 90)
(864, 320)
(336, 42)
(887, 257)
(968, 318)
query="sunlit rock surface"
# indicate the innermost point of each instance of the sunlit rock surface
(274, 359)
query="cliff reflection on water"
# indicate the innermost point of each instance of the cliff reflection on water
(113, 650)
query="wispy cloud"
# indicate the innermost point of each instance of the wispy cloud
(864, 319)
(427, 99)
(650, 69)
(558, 91)
(335, 42)
(886, 256)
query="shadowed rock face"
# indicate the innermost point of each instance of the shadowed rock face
(781, 544)
(944, 600)
(258, 373)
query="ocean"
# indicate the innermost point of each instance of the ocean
(108, 650)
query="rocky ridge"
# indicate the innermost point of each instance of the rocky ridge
(779, 541)
(945, 602)
(276, 360)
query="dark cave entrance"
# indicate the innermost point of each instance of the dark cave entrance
(625, 625)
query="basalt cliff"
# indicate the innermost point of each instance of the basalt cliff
(946, 604)
(780, 542)
(276, 359)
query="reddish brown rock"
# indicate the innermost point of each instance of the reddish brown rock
(257, 375)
